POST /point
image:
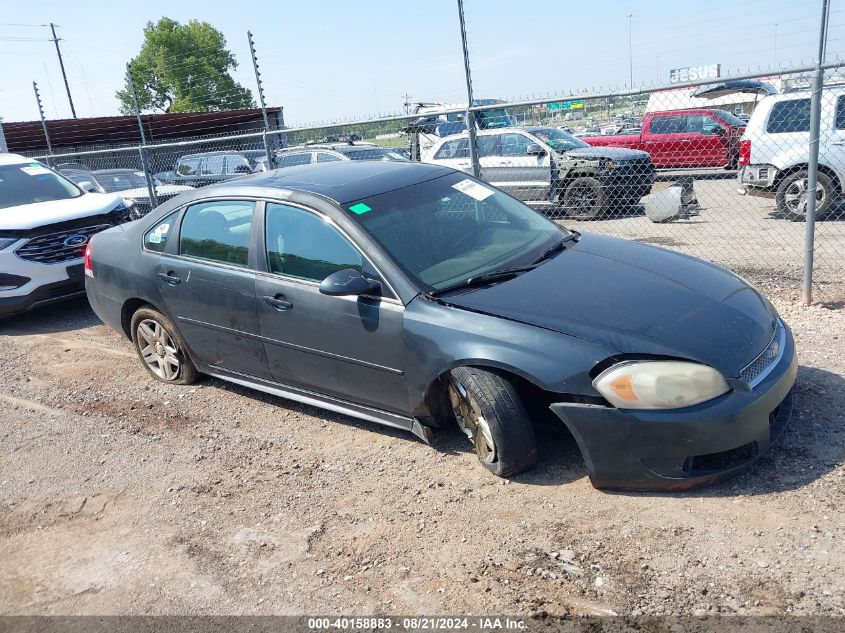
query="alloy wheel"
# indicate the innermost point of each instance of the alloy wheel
(158, 350)
(471, 421)
(795, 196)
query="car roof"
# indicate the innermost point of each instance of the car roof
(119, 170)
(803, 93)
(14, 159)
(340, 181)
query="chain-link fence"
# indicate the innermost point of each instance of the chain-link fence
(715, 170)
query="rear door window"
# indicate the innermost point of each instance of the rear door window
(789, 116)
(218, 231)
(212, 165)
(675, 124)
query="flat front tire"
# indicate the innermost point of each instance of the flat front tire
(161, 348)
(491, 414)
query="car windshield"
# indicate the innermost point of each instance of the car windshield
(371, 153)
(121, 181)
(28, 183)
(444, 231)
(558, 139)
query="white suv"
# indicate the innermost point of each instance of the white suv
(45, 223)
(774, 151)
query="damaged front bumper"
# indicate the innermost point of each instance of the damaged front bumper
(683, 448)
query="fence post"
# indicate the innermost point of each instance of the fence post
(142, 149)
(813, 165)
(470, 115)
(43, 123)
(267, 149)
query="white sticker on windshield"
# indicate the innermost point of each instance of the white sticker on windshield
(35, 170)
(473, 189)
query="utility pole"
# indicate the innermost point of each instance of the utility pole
(407, 103)
(62, 64)
(630, 54)
(43, 122)
(470, 114)
(142, 149)
(267, 149)
(813, 165)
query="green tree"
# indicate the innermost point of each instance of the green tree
(183, 68)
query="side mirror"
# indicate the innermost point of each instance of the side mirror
(242, 169)
(349, 282)
(535, 150)
(88, 187)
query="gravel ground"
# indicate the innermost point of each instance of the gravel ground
(119, 495)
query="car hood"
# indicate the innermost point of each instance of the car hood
(636, 299)
(613, 153)
(30, 216)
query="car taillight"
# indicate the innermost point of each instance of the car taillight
(86, 260)
(745, 152)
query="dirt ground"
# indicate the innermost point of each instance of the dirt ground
(119, 495)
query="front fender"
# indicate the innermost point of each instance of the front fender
(439, 337)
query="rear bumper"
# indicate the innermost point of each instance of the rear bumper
(683, 448)
(108, 310)
(757, 176)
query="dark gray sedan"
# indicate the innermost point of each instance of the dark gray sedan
(415, 296)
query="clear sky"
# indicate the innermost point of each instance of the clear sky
(334, 59)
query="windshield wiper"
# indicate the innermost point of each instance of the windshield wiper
(483, 279)
(557, 246)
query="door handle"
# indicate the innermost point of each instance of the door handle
(169, 278)
(507, 162)
(837, 143)
(279, 302)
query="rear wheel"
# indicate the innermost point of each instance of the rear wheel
(584, 198)
(491, 414)
(791, 196)
(161, 348)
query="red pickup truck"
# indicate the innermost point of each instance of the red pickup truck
(683, 138)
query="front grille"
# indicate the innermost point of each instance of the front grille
(765, 362)
(51, 249)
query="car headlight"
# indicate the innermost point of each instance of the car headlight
(6, 242)
(126, 207)
(659, 384)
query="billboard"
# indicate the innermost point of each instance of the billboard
(566, 105)
(695, 73)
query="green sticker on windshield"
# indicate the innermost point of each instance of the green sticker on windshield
(359, 208)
